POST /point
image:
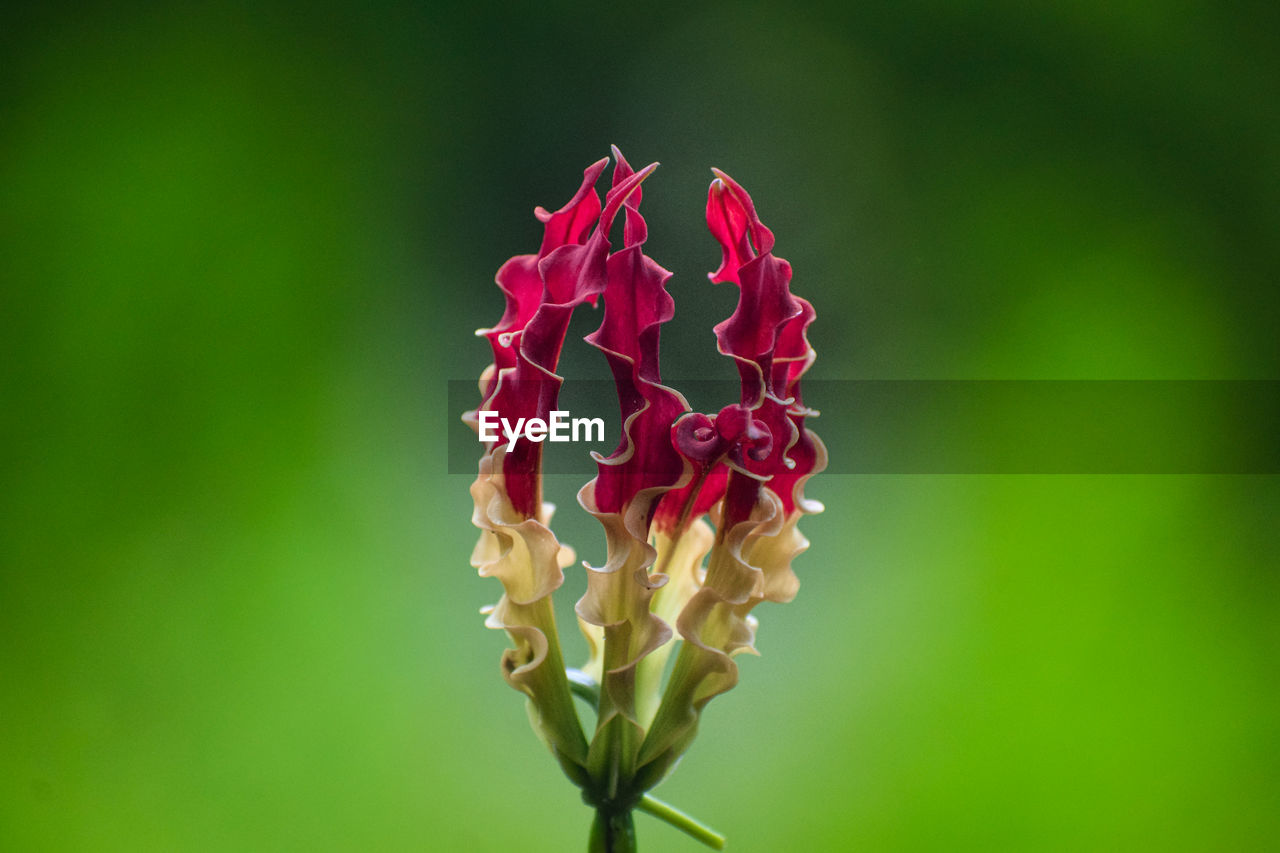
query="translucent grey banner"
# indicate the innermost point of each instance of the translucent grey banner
(970, 427)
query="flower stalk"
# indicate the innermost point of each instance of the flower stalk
(699, 511)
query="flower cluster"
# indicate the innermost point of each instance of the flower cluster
(699, 510)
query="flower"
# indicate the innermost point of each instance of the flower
(680, 487)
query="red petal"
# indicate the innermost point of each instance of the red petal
(636, 304)
(568, 270)
(766, 338)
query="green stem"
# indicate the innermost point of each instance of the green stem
(683, 822)
(555, 701)
(612, 832)
(585, 688)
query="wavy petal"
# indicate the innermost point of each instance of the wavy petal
(768, 454)
(569, 270)
(524, 555)
(749, 565)
(628, 486)
(636, 304)
(516, 546)
(766, 337)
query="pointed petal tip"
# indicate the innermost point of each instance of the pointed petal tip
(619, 158)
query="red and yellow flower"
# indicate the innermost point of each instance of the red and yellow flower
(700, 511)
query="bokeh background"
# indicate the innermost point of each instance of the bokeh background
(243, 248)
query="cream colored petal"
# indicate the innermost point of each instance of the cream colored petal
(617, 601)
(750, 565)
(523, 554)
(680, 559)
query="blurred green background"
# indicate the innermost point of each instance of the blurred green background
(243, 248)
